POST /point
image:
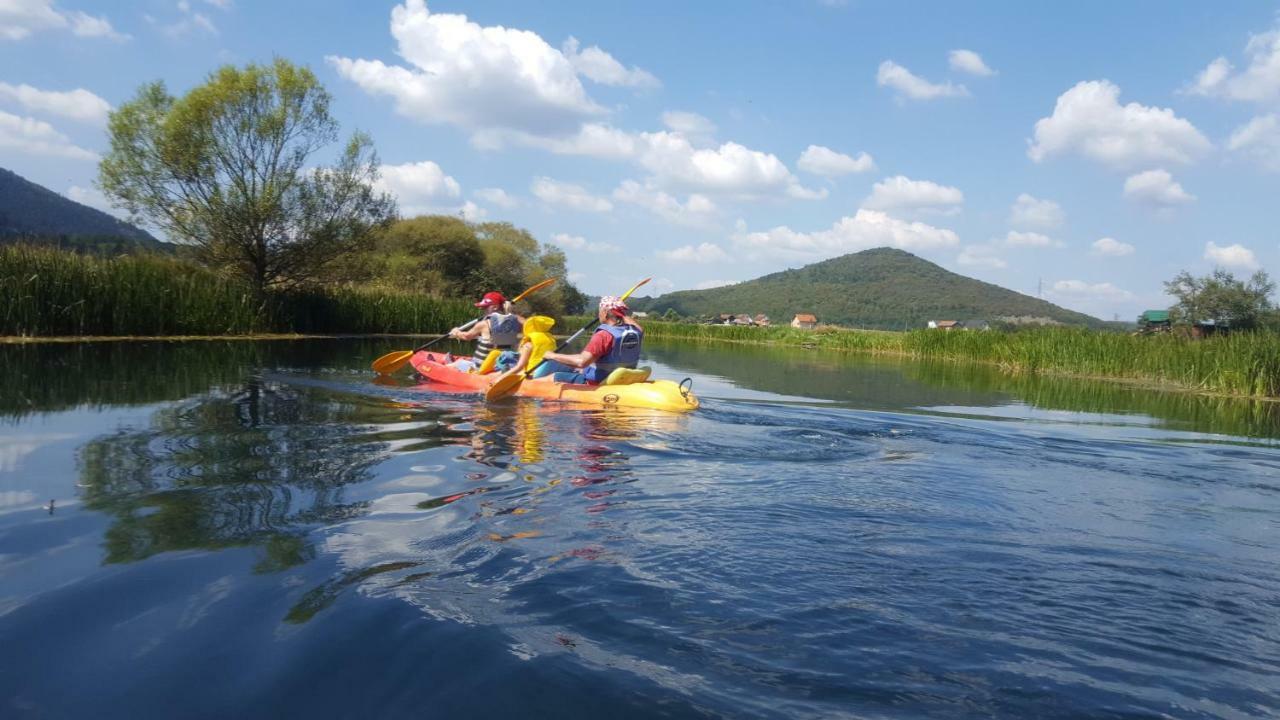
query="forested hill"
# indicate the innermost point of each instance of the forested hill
(31, 212)
(881, 288)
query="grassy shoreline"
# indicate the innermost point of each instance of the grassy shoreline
(1241, 365)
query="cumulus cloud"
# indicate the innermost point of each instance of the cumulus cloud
(78, 104)
(902, 193)
(729, 169)
(21, 18)
(575, 197)
(1031, 212)
(472, 212)
(1089, 119)
(93, 198)
(478, 78)
(1080, 289)
(1258, 82)
(821, 160)
(866, 229)
(35, 137)
(577, 242)
(697, 128)
(1157, 189)
(1259, 139)
(1029, 240)
(980, 256)
(968, 61)
(909, 85)
(497, 196)
(1110, 247)
(697, 211)
(702, 254)
(1236, 256)
(420, 187)
(599, 66)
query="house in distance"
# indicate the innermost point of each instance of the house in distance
(804, 321)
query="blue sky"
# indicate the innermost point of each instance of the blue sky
(1085, 150)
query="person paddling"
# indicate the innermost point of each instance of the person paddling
(499, 329)
(615, 344)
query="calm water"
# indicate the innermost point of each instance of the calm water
(257, 530)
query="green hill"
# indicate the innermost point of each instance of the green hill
(32, 213)
(881, 288)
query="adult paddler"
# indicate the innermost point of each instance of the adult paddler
(499, 329)
(615, 344)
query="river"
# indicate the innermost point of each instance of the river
(256, 529)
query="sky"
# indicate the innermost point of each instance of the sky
(1083, 152)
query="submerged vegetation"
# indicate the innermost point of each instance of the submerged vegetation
(53, 292)
(1246, 363)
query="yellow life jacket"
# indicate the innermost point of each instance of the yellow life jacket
(537, 332)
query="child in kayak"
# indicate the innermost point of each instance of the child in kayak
(499, 329)
(536, 343)
(615, 344)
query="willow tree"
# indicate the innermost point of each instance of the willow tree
(232, 169)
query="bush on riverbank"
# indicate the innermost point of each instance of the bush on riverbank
(1238, 363)
(46, 292)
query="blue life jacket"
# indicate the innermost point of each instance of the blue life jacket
(504, 334)
(624, 353)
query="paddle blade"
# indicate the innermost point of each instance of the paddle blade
(391, 362)
(505, 386)
(634, 288)
(534, 289)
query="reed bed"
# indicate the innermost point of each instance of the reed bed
(51, 292)
(1234, 364)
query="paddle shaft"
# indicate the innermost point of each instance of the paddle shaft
(586, 327)
(471, 324)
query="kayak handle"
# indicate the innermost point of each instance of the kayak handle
(686, 386)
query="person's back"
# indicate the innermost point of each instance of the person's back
(500, 329)
(615, 344)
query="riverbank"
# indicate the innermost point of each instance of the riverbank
(1240, 364)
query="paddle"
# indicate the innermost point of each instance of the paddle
(510, 384)
(393, 361)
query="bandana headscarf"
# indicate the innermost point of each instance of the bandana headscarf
(611, 304)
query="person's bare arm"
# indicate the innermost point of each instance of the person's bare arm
(576, 360)
(472, 334)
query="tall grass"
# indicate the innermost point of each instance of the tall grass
(46, 291)
(1237, 364)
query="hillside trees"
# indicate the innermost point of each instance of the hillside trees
(232, 168)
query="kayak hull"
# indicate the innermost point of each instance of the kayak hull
(654, 394)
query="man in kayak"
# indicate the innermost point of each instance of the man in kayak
(615, 344)
(499, 329)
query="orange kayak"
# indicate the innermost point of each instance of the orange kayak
(655, 394)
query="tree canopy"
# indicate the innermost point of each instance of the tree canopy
(1221, 298)
(231, 168)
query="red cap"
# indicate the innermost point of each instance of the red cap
(491, 299)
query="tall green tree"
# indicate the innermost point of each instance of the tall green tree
(1222, 298)
(231, 168)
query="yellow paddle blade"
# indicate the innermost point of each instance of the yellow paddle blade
(490, 360)
(505, 386)
(634, 288)
(392, 361)
(534, 289)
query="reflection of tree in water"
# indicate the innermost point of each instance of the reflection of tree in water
(256, 467)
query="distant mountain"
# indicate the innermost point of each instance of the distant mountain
(34, 213)
(881, 288)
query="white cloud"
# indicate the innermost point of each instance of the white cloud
(220, 4)
(1259, 82)
(35, 137)
(577, 242)
(968, 61)
(1089, 119)
(980, 256)
(1110, 247)
(478, 78)
(188, 22)
(1078, 289)
(472, 212)
(903, 193)
(821, 160)
(702, 254)
(893, 75)
(1259, 139)
(21, 18)
(697, 211)
(1029, 239)
(710, 284)
(576, 197)
(497, 196)
(93, 198)
(420, 187)
(1156, 188)
(697, 128)
(1028, 211)
(866, 229)
(599, 66)
(1237, 256)
(730, 169)
(78, 104)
